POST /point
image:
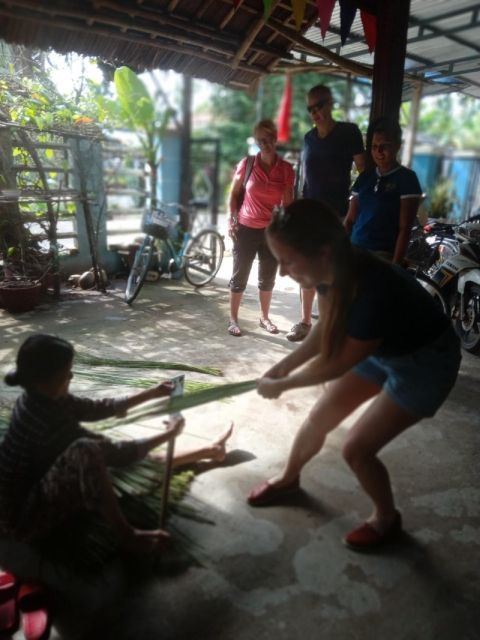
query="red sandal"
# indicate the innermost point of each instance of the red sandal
(367, 538)
(8, 604)
(34, 606)
(265, 493)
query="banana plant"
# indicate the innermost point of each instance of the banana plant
(139, 113)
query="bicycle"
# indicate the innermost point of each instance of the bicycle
(170, 249)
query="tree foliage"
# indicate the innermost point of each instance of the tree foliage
(236, 112)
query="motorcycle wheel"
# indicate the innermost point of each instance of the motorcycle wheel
(468, 324)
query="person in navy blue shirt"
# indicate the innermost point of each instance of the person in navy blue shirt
(384, 200)
(330, 149)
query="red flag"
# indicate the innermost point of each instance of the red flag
(369, 22)
(236, 3)
(283, 118)
(325, 10)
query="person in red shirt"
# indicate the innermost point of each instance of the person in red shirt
(264, 184)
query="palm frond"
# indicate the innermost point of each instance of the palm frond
(94, 361)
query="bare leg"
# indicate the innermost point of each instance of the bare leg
(214, 451)
(383, 421)
(130, 539)
(341, 398)
(235, 299)
(265, 299)
(308, 296)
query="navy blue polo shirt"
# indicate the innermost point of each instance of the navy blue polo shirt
(391, 306)
(379, 196)
(328, 164)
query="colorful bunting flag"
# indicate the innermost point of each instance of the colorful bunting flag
(347, 15)
(283, 118)
(369, 22)
(298, 7)
(267, 6)
(236, 3)
(325, 10)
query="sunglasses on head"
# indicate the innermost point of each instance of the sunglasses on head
(316, 106)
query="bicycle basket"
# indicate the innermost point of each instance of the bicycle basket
(157, 223)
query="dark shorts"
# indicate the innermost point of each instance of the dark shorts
(247, 245)
(420, 381)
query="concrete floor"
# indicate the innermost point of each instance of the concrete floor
(280, 572)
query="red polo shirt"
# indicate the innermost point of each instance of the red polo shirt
(263, 191)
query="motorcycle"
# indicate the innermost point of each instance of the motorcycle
(456, 279)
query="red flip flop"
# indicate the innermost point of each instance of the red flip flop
(367, 538)
(265, 494)
(33, 603)
(8, 604)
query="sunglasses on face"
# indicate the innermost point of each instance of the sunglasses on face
(267, 140)
(316, 106)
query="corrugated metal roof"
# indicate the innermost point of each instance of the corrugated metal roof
(443, 45)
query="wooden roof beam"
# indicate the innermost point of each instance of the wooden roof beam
(319, 50)
(222, 61)
(206, 4)
(188, 25)
(252, 34)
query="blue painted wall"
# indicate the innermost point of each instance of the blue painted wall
(427, 166)
(464, 171)
(169, 174)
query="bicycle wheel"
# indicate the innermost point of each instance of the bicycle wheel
(139, 269)
(203, 258)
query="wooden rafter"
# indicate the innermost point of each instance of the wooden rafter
(223, 60)
(206, 5)
(318, 50)
(191, 34)
(251, 35)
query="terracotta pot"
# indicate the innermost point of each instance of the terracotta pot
(20, 296)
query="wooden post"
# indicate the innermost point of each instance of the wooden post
(215, 194)
(185, 169)
(411, 130)
(389, 61)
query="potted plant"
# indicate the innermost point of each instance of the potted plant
(25, 269)
(18, 295)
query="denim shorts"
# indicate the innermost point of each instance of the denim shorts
(419, 381)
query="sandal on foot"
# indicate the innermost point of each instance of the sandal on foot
(268, 326)
(8, 604)
(298, 332)
(366, 537)
(233, 329)
(34, 606)
(265, 493)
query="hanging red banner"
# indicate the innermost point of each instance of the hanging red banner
(325, 10)
(284, 112)
(298, 7)
(369, 29)
(347, 15)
